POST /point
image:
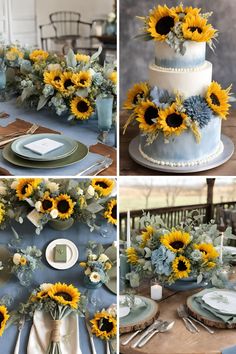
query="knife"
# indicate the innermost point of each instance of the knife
(90, 333)
(151, 328)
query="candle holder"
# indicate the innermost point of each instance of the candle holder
(104, 107)
(155, 290)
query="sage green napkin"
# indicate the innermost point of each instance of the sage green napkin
(226, 318)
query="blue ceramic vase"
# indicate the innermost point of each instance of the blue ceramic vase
(90, 285)
(3, 79)
(186, 284)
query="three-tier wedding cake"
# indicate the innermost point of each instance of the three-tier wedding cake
(179, 110)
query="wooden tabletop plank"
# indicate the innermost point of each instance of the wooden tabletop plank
(129, 167)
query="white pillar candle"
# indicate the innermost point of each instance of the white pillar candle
(221, 247)
(128, 229)
(156, 292)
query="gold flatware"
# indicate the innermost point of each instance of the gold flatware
(30, 131)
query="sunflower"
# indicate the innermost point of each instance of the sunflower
(67, 84)
(38, 55)
(136, 94)
(211, 265)
(82, 58)
(111, 211)
(218, 99)
(26, 187)
(64, 205)
(52, 78)
(43, 294)
(132, 255)
(176, 241)
(103, 186)
(195, 28)
(2, 213)
(146, 235)
(81, 108)
(189, 10)
(23, 261)
(4, 316)
(181, 267)
(82, 79)
(171, 121)
(160, 22)
(104, 325)
(208, 251)
(65, 294)
(14, 53)
(146, 112)
(113, 77)
(47, 204)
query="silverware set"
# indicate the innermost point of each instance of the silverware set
(189, 321)
(97, 167)
(16, 135)
(159, 326)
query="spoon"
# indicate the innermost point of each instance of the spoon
(165, 326)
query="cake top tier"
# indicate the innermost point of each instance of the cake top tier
(178, 25)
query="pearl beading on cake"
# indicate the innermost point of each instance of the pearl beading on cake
(193, 163)
(183, 70)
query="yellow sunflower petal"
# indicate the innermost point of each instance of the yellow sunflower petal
(82, 58)
(111, 211)
(52, 78)
(146, 113)
(38, 55)
(207, 250)
(64, 205)
(147, 235)
(132, 255)
(181, 267)
(171, 121)
(65, 294)
(160, 22)
(195, 28)
(2, 213)
(136, 94)
(26, 186)
(47, 204)
(4, 316)
(81, 108)
(103, 186)
(104, 325)
(218, 99)
(176, 241)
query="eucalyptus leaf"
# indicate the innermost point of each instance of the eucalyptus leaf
(42, 102)
(94, 208)
(96, 55)
(71, 59)
(199, 278)
(26, 93)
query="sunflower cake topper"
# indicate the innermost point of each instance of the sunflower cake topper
(176, 25)
(188, 250)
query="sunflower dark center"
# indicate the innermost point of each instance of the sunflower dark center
(82, 106)
(105, 325)
(102, 184)
(215, 100)
(114, 212)
(194, 28)
(137, 97)
(63, 206)
(82, 81)
(151, 113)
(46, 204)
(65, 296)
(182, 266)
(164, 25)
(57, 78)
(24, 188)
(177, 245)
(174, 120)
(203, 251)
(1, 319)
(68, 83)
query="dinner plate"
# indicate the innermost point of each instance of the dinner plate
(221, 300)
(72, 254)
(69, 146)
(79, 154)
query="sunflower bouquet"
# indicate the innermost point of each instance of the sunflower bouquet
(59, 301)
(45, 200)
(176, 25)
(24, 263)
(68, 85)
(186, 251)
(4, 317)
(157, 111)
(96, 266)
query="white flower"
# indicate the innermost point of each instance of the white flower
(52, 186)
(90, 192)
(111, 17)
(92, 72)
(3, 190)
(54, 213)
(112, 310)
(103, 258)
(87, 271)
(95, 277)
(54, 67)
(38, 205)
(93, 257)
(80, 191)
(45, 286)
(16, 258)
(115, 243)
(14, 185)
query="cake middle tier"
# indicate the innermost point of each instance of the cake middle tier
(188, 82)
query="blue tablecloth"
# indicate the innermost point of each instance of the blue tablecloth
(80, 235)
(85, 132)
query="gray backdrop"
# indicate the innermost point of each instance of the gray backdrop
(135, 55)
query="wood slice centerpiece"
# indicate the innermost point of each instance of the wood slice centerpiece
(141, 318)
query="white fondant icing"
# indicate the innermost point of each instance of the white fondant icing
(184, 149)
(166, 56)
(188, 83)
(196, 68)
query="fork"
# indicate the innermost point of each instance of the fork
(103, 168)
(20, 327)
(30, 131)
(188, 323)
(92, 166)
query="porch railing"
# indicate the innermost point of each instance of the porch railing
(173, 215)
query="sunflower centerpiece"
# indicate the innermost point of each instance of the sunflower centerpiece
(180, 257)
(96, 267)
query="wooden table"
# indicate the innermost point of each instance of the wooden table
(179, 340)
(129, 167)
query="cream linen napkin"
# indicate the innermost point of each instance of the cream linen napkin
(40, 334)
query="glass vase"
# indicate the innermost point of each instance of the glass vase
(104, 107)
(3, 79)
(90, 285)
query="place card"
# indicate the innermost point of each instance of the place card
(43, 146)
(60, 253)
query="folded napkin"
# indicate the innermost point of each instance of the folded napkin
(41, 331)
(226, 318)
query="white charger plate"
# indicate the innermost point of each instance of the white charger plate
(72, 254)
(228, 303)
